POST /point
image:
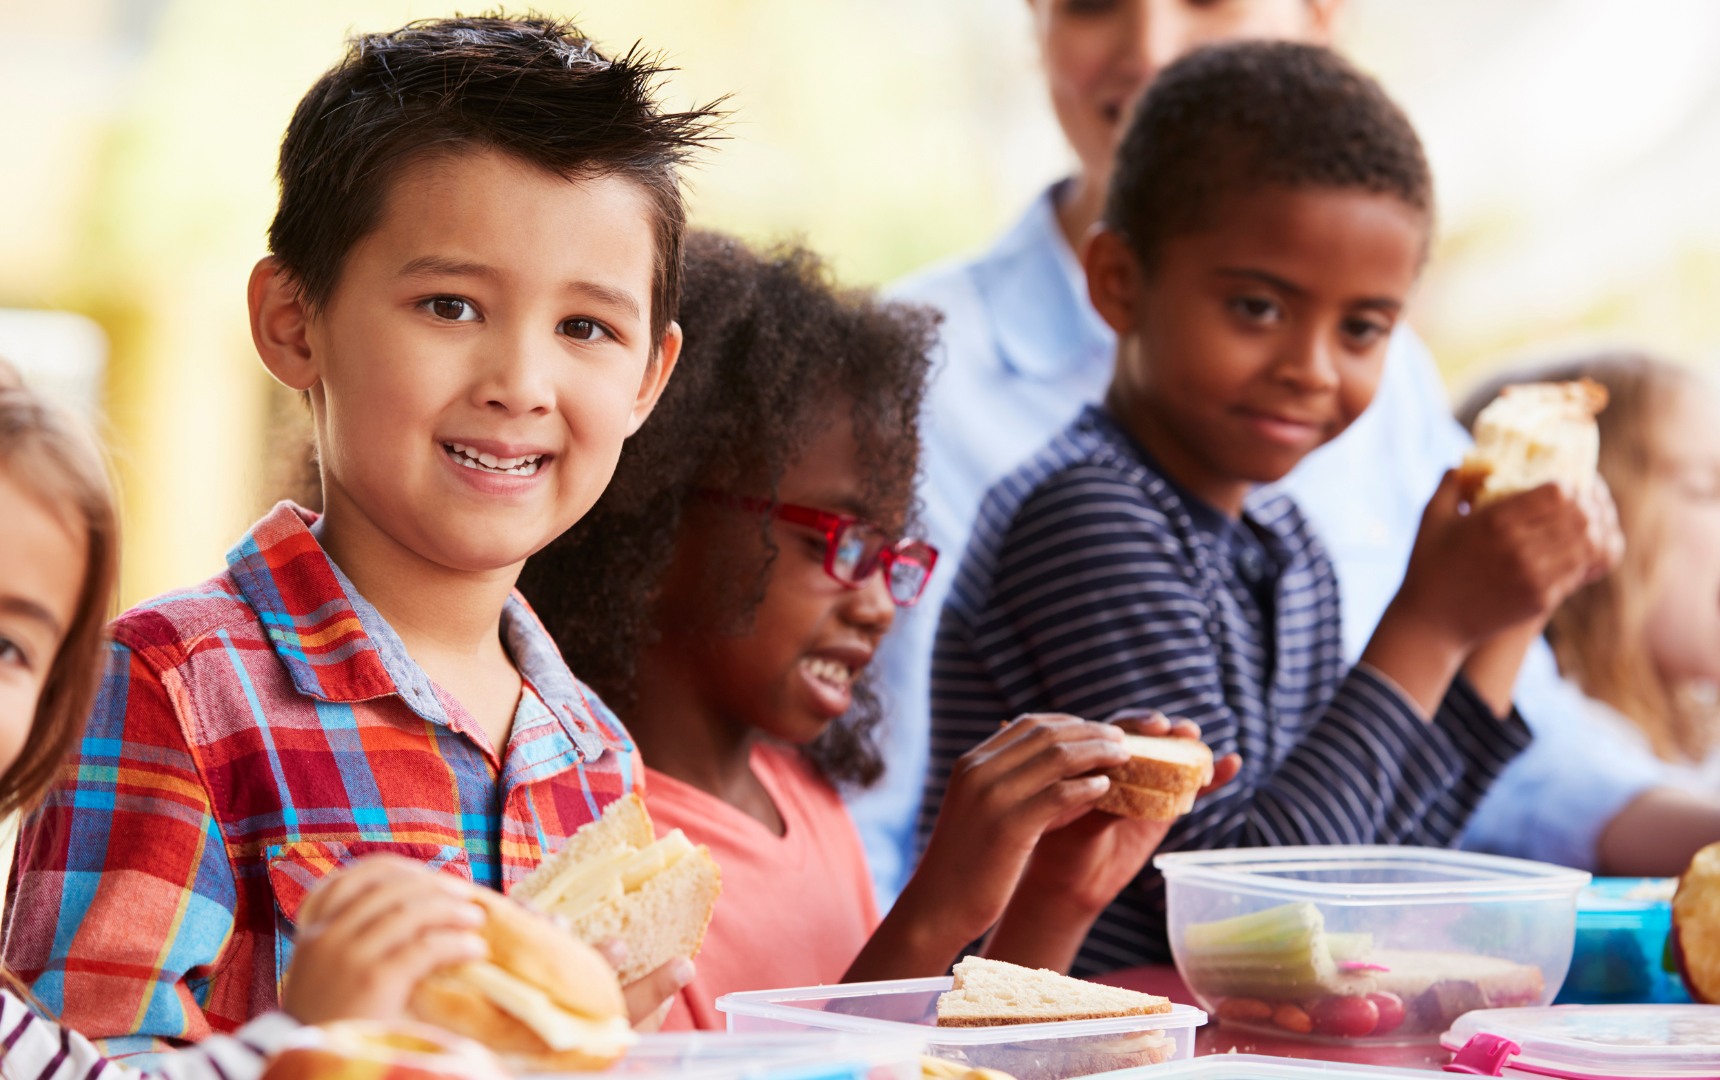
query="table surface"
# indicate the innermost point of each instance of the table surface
(1215, 1038)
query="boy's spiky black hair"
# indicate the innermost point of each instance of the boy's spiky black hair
(771, 347)
(1239, 117)
(532, 87)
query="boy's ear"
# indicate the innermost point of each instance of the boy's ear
(279, 325)
(1113, 279)
(657, 373)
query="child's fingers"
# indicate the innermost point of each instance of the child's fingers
(1137, 722)
(1062, 802)
(1028, 726)
(1057, 761)
(412, 959)
(649, 997)
(401, 927)
(1045, 736)
(1455, 488)
(1224, 770)
(615, 951)
(407, 900)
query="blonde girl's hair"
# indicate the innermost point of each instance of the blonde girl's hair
(1600, 634)
(48, 451)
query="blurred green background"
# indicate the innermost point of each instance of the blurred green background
(1576, 145)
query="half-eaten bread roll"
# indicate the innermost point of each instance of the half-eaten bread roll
(1534, 434)
(544, 1000)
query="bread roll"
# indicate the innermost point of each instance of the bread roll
(1534, 434)
(545, 1000)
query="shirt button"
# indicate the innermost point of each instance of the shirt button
(1251, 564)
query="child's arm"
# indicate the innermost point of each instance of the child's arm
(37, 1047)
(1076, 871)
(123, 881)
(1024, 780)
(1092, 605)
(370, 931)
(1481, 584)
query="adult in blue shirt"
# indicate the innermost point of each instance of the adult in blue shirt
(1022, 351)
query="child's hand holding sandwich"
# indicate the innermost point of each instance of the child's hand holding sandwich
(1040, 777)
(1078, 868)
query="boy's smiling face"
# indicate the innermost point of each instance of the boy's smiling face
(1259, 337)
(486, 350)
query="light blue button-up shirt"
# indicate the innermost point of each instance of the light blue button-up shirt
(1021, 351)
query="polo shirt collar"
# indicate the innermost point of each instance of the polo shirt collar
(1035, 295)
(338, 648)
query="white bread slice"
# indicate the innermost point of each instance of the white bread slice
(1534, 434)
(991, 992)
(1160, 779)
(614, 880)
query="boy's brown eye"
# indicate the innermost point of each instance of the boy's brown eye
(582, 329)
(451, 308)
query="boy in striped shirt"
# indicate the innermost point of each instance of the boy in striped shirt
(1267, 220)
(472, 280)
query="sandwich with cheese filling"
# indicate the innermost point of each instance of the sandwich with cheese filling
(616, 881)
(544, 1000)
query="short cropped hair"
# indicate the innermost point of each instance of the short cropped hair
(773, 346)
(1235, 118)
(533, 88)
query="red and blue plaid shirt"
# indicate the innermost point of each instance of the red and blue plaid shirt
(250, 735)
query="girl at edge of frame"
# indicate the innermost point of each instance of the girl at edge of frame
(725, 596)
(1644, 642)
(369, 932)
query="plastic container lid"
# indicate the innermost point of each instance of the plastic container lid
(1408, 875)
(805, 1005)
(709, 1055)
(1259, 1067)
(1601, 1042)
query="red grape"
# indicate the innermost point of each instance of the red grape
(1391, 1011)
(1348, 1016)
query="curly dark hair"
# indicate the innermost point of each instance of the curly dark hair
(771, 346)
(1243, 116)
(533, 87)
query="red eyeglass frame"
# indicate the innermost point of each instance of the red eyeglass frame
(832, 525)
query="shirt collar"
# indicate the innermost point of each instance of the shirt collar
(1266, 513)
(337, 647)
(1035, 294)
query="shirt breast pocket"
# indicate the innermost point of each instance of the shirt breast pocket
(295, 868)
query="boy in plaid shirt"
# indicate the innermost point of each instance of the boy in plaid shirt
(472, 281)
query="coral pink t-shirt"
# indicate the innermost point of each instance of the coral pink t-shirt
(795, 909)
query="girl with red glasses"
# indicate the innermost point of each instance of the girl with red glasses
(726, 596)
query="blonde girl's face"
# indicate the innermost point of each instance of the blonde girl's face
(1683, 630)
(42, 560)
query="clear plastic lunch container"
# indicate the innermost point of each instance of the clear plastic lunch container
(1026, 1051)
(1261, 1067)
(1621, 952)
(1589, 1042)
(714, 1055)
(1366, 944)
